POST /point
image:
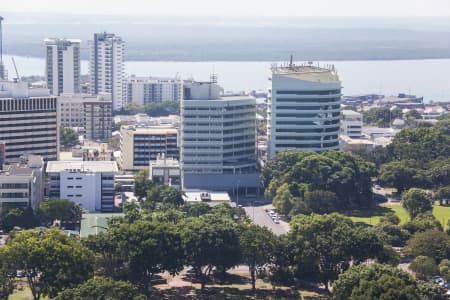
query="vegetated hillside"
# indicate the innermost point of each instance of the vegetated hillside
(239, 39)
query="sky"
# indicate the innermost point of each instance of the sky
(233, 7)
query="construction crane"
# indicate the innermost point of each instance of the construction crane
(15, 68)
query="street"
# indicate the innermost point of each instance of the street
(259, 216)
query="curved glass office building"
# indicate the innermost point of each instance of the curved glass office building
(304, 109)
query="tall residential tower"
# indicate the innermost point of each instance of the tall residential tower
(106, 68)
(62, 68)
(304, 109)
(2, 67)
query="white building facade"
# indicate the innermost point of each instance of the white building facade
(62, 69)
(21, 183)
(304, 109)
(106, 67)
(351, 124)
(29, 121)
(218, 139)
(88, 183)
(143, 90)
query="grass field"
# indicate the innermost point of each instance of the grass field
(442, 214)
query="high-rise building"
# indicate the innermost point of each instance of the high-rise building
(3, 75)
(92, 113)
(143, 90)
(106, 67)
(29, 121)
(218, 139)
(62, 70)
(304, 109)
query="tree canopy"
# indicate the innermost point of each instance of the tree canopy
(432, 243)
(416, 201)
(340, 179)
(102, 288)
(64, 210)
(324, 245)
(68, 137)
(50, 260)
(381, 282)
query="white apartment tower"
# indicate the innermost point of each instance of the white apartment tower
(304, 109)
(62, 69)
(217, 139)
(143, 90)
(106, 67)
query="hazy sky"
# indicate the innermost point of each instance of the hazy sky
(235, 7)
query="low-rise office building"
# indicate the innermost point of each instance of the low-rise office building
(21, 183)
(141, 144)
(165, 171)
(92, 113)
(89, 183)
(351, 124)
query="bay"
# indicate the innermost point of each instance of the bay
(427, 78)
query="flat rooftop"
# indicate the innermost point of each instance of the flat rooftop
(158, 129)
(84, 166)
(307, 72)
(348, 112)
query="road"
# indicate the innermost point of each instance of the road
(259, 216)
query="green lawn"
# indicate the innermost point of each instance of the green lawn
(442, 214)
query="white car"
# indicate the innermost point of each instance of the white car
(276, 221)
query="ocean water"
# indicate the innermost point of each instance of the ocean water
(428, 78)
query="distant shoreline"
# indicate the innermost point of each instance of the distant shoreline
(257, 60)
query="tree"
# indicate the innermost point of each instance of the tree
(142, 184)
(443, 194)
(50, 260)
(196, 209)
(257, 248)
(324, 245)
(210, 241)
(380, 282)
(444, 269)
(432, 243)
(283, 199)
(146, 248)
(422, 144)
(23, 218)
(102, 288)
(402, 175)
(6, 279)
(68, 137)
(423, 266)
(159, 193)
(321, 202)
(66, 211)
(391, 234)
(422, 222)
(416, 201)
(346, 175)
(381, 116)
